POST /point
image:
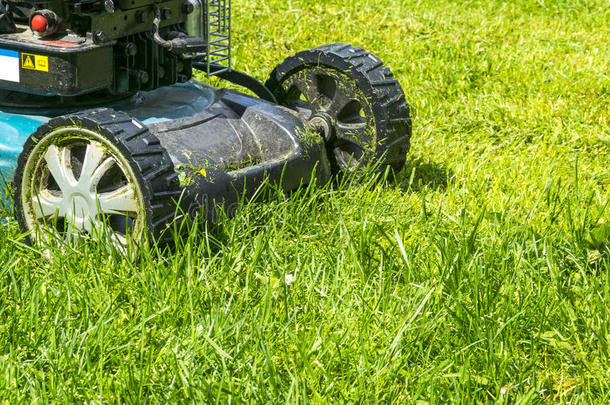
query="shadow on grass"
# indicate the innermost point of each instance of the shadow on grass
(420, 173)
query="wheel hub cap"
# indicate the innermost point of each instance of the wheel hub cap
(81, 186)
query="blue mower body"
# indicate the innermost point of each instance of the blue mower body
(14, 131)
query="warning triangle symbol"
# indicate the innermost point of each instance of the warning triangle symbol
(28, 62)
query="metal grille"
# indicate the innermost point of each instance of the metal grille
(217, 20)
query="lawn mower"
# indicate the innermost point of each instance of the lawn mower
(103, 126)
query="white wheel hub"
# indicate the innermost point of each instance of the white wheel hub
(77, 177)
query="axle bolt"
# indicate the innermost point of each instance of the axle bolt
(322, 125)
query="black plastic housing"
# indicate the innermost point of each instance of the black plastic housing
(71, 69)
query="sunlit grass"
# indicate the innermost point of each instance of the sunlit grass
(481, 276)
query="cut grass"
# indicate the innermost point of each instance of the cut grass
(482, 276)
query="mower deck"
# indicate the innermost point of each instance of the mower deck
(222, 143)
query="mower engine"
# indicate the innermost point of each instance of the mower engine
(72, 47)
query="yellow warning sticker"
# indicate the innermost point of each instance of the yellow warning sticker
(35, 62)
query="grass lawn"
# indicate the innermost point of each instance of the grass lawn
(483, 275)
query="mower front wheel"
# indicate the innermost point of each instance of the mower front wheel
(92, 174)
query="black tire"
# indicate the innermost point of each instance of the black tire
(378, 107)
(139, 154)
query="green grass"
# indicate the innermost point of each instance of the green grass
(482, 276)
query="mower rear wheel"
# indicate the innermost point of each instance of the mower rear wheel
(349, 96)
(98, 173)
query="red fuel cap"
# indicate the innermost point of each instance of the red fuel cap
(39, 23)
